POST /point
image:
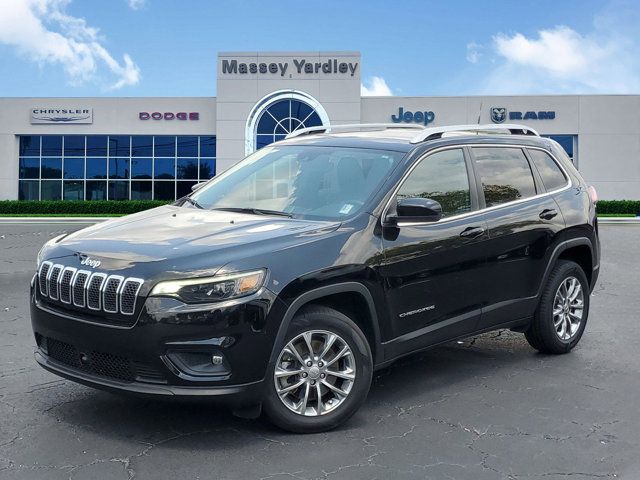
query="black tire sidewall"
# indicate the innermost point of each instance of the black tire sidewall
(323, 318)
(562, 271)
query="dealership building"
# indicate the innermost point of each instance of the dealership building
(157, 148)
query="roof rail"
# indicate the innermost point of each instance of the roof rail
(487, 129)
(351, 127)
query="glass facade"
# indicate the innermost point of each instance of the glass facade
(283, 117)
(113, 167)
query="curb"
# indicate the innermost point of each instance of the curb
(618, 220)
(27, 220)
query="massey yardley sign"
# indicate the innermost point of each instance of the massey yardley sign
(61, 115)
(300, 66)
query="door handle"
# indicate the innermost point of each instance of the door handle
(472, 232)
(548, 213)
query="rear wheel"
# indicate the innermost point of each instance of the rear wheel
(322, 373)
(561, 317)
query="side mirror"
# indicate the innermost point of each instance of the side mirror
(198, 186)
(416, 209)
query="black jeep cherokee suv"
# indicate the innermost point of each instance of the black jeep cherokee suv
(285, 281)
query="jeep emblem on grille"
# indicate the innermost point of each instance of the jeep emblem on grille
(91, 262)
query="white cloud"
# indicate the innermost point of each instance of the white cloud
(136, 4)
(376, 87)
(562, 51)
(43, 32)
(474, 52)
(561, 60)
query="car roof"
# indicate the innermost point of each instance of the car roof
(400, 140)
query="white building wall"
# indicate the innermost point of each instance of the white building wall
(110, 116)
(607, 128)
(609, 144)
(238, 93)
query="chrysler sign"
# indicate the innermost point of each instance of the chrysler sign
(61, 115)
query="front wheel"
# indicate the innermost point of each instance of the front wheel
(561, 317)
(322, 374)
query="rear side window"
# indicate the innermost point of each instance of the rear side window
(505, 173)
(552, 176)
(441, 176)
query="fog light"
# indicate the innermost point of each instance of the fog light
(200, 364)
(217, 359)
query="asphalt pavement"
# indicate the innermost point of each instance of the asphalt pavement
(489, 407)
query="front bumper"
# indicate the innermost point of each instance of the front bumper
(147, 359)
(245, 393)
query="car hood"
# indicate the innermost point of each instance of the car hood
(184, 238)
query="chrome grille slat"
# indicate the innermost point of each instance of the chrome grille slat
(78, 288)
(64, 284)
(52, 281)
(42, 278)
(96, 292)
(110, 293)
(128, 295)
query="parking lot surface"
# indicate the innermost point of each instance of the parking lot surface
(489, 407)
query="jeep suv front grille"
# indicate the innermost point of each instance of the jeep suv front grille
(91, 292)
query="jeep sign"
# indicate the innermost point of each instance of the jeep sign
(407, 116)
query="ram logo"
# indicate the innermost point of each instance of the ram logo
(498, 114)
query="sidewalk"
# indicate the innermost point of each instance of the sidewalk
(618, 220)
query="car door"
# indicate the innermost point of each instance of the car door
(432, 271)
(523, 221)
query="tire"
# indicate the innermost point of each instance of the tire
(546, 333)
(334, 409)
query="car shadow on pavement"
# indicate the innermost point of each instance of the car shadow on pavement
(425, 377)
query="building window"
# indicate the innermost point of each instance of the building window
(113, 167)
(282, 118)
(279, 114)
(569, 143)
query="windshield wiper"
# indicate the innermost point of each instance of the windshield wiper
(193, 202)
(254, 211)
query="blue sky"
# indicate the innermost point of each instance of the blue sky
(169, 48)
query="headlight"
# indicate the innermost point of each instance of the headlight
(45, 247)
(212, 289)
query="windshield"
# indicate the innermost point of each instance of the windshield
(306, 181)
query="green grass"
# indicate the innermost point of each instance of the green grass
(89, 207)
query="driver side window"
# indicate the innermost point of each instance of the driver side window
(442, 177)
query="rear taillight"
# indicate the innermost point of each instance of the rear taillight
(593, 195)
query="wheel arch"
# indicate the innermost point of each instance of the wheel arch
(579, 250)
(351, 298)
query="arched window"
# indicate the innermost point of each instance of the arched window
(279, 114)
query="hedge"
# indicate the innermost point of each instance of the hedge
(47, 207)
(618, 206)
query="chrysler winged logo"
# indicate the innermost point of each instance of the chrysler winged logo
(498, 114)
(91, 262)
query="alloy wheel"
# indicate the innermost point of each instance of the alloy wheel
(315, 373)
(568, 307)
